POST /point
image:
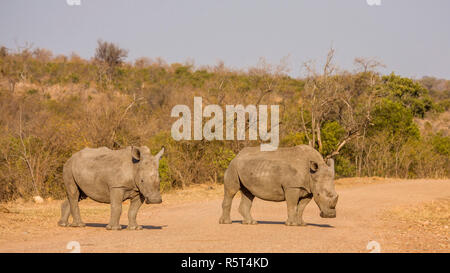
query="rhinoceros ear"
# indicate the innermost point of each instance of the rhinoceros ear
(313, 167)
(158, 156)
(330, 163)
(135, 154)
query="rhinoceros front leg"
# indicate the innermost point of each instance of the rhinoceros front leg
(116, 197)
(135, 204)
(292, 196)
(301, 207)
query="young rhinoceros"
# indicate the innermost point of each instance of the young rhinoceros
(295, 174)
(111, 176)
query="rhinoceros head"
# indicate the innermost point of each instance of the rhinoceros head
(146, 173)
(322, 187)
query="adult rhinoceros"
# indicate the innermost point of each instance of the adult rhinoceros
(111, 176)
(295, 174)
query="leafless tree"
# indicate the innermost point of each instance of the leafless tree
(110, 55)
(121, 118)
(25, 155)
(328, 97)
(367, 64)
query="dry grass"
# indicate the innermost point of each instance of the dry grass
(426, 225)
(434, 215)
(18, 219)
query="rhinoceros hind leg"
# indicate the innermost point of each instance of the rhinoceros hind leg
(245, 206)
(226, 206)
(74, 196)
(65, 213)
(231, 187)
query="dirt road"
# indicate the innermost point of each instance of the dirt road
(193, 226)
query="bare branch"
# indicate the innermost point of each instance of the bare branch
(122, 117)
(342, 144)
(24, 153)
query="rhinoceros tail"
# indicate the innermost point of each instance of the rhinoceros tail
(231, 181)
(82, 194)
(71, 183)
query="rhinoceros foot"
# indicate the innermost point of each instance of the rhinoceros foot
(134, 227)
(63, 223)
(109, 227)
(292, 223)
(224, 220)
(249, 222)
(77, 224)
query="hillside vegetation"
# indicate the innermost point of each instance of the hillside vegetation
(52, 106)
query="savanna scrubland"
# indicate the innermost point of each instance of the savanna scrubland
(52, 106)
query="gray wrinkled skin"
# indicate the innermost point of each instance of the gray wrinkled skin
(295, 175)
(111, 176)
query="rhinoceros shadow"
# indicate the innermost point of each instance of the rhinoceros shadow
(282, 223)
(99, 225)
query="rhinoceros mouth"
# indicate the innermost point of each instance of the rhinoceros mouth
(328, 215)
(153, 201)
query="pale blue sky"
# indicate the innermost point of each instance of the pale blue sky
(411, 37)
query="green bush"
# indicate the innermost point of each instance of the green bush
(165, 175)
(409, 93)
(441, 144)
(294, 139)
(394, 119)
(332, 133)
(344, 167)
